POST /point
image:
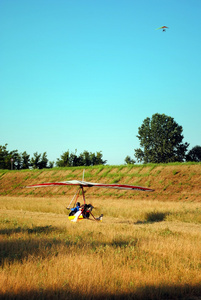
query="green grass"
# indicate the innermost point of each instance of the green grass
(175, 172)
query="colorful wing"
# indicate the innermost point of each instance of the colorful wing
(161, 27)
(92, 184)
(71, 182)
(117, 186)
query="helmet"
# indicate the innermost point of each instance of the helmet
(78, 204)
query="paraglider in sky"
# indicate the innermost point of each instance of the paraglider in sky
(162, 27)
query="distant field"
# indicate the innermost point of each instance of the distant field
(147, 247)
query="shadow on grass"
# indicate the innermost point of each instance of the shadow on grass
(38, 243)
(34, 230)
(150, 292)
(42, 247)
(153, 217)
(12, 250)
(18, 248)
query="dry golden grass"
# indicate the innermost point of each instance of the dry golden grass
(141, 250)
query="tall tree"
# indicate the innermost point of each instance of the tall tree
(64, 161)
(86, 158)
(98, 159)
(75, 160)
(4, 157)
(161, 140)
(25, 160)
(44, 161)
(35, 160)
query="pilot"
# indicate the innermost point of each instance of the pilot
(75, 209)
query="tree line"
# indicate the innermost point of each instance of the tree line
(160, 142)
(86, 158)
(19, 161)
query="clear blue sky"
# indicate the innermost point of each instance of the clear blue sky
(84, 74)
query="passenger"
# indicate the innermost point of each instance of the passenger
(86, 210)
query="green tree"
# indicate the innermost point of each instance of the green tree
(160, 140)
(92, 159)
(4, 157)
(39, 161)
(86, 158)
(35, 160)
(51, 164)
(194, 154)
(25, 160)
(75, 160)
(44, 161)
(129, 161)
(98, 159)
(17, 159)
(64, 161)
(22, 160)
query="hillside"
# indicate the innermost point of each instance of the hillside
(171, 182)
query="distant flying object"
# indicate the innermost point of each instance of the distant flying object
(162, 27)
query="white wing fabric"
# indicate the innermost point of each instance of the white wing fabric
(92, 184)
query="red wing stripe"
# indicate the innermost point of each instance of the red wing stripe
(50, 184)
(91, 184)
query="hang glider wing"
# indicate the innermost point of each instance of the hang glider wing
(162, 27)
(92, 184)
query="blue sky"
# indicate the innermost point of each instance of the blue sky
(84, 74)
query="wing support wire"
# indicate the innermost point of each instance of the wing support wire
(76, 194)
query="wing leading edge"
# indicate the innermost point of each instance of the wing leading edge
(162, 27)
(92, 184)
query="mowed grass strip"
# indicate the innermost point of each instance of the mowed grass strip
(175, 182)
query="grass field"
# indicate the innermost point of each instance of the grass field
(143, 249)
